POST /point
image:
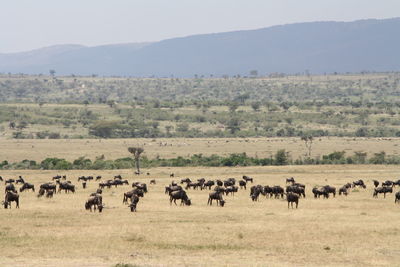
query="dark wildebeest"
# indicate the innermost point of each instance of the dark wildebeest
(170, 189)
(186, 180)
(141, 186)
(57, 177)
(242, 184)
(1, 179)
(173, 196)
(382, 190)
(396, 183)
(153, 181)
(387, 183)
(98, 177)
(217, 196)
(296, 189)
(343, 190)
(129, 194)
(228, 183)
(267, 191)
(247, 178)
(376, 183)
(9, 181)
(172, 175)
(359, 183)
(10, 197)
(277, 191)
(50, 193)
(134, 202)
(330, 190)
(83, 178)
(118, 176)
(120, 182)
(27, 186)
(292, 198)
(208, 184)
(195, 185)
(290, 180)
(255, 192)
(67, 187)
(231, 189)
(397, 197)
(10, 188)
(94, 201)
(320, 191)
(219, 182)
(201, 182)
(20, 180)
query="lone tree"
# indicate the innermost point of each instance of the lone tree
(136, 152)
(308, 140)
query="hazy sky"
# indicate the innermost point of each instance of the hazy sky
(29, 24)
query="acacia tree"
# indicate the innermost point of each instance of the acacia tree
(136, 152)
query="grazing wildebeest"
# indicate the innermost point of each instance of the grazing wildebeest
(217, 196)
(320, 191)
(382, 190)
(141, 186)
(247, 178)
(41, 192)
(83, 178)
(330, 190)
(98, 177)
(290, 180)
(296, 189)
(172, 175)
(228, 183)
(20, 180)
(292, 198)
(134, 202)
(267, 191)
(277, 191)
(219, 182)
(387, 183)
(208, 184)
(231, 189)
(242, 184)
(57, 177)
(359, 183)
(153, 181)
(94, 201)
(120, 182)
(10, 197)
(397, 197)
(118, 176)
(255, 192)
(186, 180)
(396, 183)
(50, 193)
(201, 182)
(10, 188)
(343, 190)
(376, 183)
(27, 186)
(195, 185)
(173, 196)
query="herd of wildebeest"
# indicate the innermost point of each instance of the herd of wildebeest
(177, 191)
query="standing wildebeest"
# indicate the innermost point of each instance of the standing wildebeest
(10, 197)
(397, 197)
(98, 177)
(396, 183)
(387, 183)
(217, 196)
(320, 191)
(290, 180)
(231, 189)
(129, 194)
(67, 187)
(359, 183)
(173, 196)
(57, 177)
(172, 175)
(141, 186)
(20, 180)
(277, 191)
(255, 192)
(10, 188)
(170, 189)
(296, 189)
(186, 180)
(376, 183)
(134, 202)
(9, 181)
(50, 193)
(382, 190)
(247, 178)
(219, 182)
(153, 181)
(27, 186)
(242, 184)
(330, 190)
(292, 198)
(118, 176)
(208, 184)
(94, 201)
(343, 190)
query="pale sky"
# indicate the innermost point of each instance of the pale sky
(30, 24)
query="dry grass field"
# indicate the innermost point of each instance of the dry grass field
(356, 230)
(15, 150)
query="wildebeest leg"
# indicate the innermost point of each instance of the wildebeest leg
(297, 203)
(175, 201)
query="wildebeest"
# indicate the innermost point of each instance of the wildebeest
(98, 177)
(376, 183)
(320, 191)
(20, 180)
(194, 185)
(208, 184)
(255, 192)
(186, 180)
(134, 202)
(247, 178)
(231, 189)
(396, 183)
(129, 194)
(277, 191)
(173, 196)
(382, 190)
(118, 176)
(94, 201)
(50, 193)
(67, 187)
(170, 189)
(292, 198)
(153, 181)
(219, 182)
(120, 182)
(387, 183)
(10, 197)
(141, 186)
(27, 186)
(330, 190)
(343, 190)
(10, 188)
(242, 184)
(290, 180)
(217, 196)
(296, 189)
(359, 183)
(57, 177)
(1, 179)
(9, 181)
(397, 197)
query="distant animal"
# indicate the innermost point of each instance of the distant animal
(209, 184)
(27, 186)
(50, 193)
(242, 184)
(320, 191)
(217, 196)
(397, 197)
(382, 190)
(396, 183)
(343, 190)
(48, 186)
(98, 177)
(179, 195)
(172, 175)
(376, 183)
(153, 181)
(93, 202)
(231, 189)
(20, 180)
(1, 179)
(387, 183)
(296, 189)
(118, 176)
(219, 182)
(292, 198)
(330, 190)
(247, 178)
(67, 187)
(10, 188)
(129, 194)
(170, 189)
(277, 191)
(9, 181)
(359, 183)
(11, 197)
(290, 180)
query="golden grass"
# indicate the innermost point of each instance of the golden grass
(356, 230)
(16, 150)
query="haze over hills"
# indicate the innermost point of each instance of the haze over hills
(319, 47)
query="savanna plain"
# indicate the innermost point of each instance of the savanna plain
(353, 230)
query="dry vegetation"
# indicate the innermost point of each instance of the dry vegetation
(356, 230)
